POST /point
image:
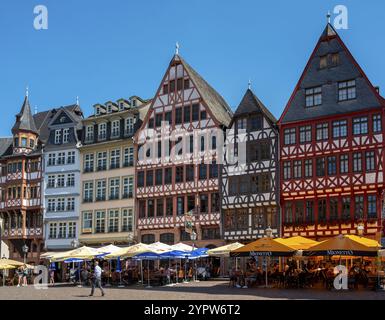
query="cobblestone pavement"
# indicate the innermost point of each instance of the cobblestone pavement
(207, 290)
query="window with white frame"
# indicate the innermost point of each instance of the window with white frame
(129, 123)
(114, 188)
(115, 159)
(322, 131)
(305, 134)
(71, 157)
(101, 190)
(71, 204)
(100, 222)
(340, 129)
(290, 136)
(129, 157)
(102, 131)
(62, 230)
(57, 136)
(71, 229)
(128, 187)
(347, 90)
(61, 158)
(102, 161)
(360, 125)
(89, 162)
(66, 135)
(60, 181)
(51, 205)
(127, 220)
(71, 180)
(113, 220)
(52, 230)
(313, 97)
(87, 221)
(52, 159)
(60, 204)
(115, 128)
(90, 133)
(88, 191)
(51, 181)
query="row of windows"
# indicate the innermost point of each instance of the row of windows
(164, 207)
(62, 230)
(346, 208)
(330, 166)
(62, 136)
(210, 233)
(61, 180)
(180, 173)
(243, 185)
(24, 142)
(16, 167)
(112, 220)
(104, 160)
(346, 91)
(181, 84)
(261, 218)
(116, 130)
(61, 158)
(338, 129)
(61, 204)
(118, 188)
(14, 192)
(252, 123)
(186, 114)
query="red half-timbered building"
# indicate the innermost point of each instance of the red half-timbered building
(178, 169)
(332, 148)
(21, 185)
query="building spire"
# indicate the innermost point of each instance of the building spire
(26, 92)
(177, 48)
(77, 101)
(328, 17)
(249, 84)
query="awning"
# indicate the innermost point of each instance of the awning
(264, 247)
(298, 242)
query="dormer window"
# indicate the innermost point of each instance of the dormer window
(313, 97)
(97, 111)
(347, 90)
(121, 106)
(102, 131)
(66, 134)
(115, 128)
(109, 108)
(90, 133)
(129, 125)
(133, 103)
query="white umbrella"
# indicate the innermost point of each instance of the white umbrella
(182, 247)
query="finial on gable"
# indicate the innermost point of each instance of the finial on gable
(177, 48)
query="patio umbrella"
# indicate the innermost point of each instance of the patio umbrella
(82, 253)
(224, 251)
(182, 247)
(264, 247)
(198, 253)
(4, 262)
(149, 255)
(109, 249)
(298, 242)
(129, 251)
(342, 245)
(159, 246)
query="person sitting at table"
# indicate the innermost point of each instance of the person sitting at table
(233, 278)
(181, 274)
(190, 274)
(250, 277)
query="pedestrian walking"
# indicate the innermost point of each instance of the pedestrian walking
(20, 276)
(97, 279)
(25, 276)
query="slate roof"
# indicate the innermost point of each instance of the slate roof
(328, 78)
(251, 104)
(5, 143)
(24, 119)
(217, 105)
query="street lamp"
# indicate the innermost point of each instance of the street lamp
(193, 239)
(25, 251)
(74, 244)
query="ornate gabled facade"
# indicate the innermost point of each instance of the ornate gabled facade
(250, 173)
(61, 138)
(179, 162)
(332, 147)
(21, 188)
(107, 172)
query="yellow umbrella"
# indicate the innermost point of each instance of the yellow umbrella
(83, 253)
(298, 242)
(11, 262)
(7, 267)
(264, 247)
(224, 251)
(342, 245)
(365, 241)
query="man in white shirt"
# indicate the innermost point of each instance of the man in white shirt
(97, 280)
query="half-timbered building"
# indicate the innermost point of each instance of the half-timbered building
(20, 186)
(178, 163)
(332, 147)
(249, 175)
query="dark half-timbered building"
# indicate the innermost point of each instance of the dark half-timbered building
(178, 165)
(332, 147)
(21, 189)
(249, 174)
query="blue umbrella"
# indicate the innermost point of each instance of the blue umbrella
(147, 256)
(199, 253)
(118, 265)
(175, 254)
(73, 260)
(52, 266)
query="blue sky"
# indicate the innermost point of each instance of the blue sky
(104, 50)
